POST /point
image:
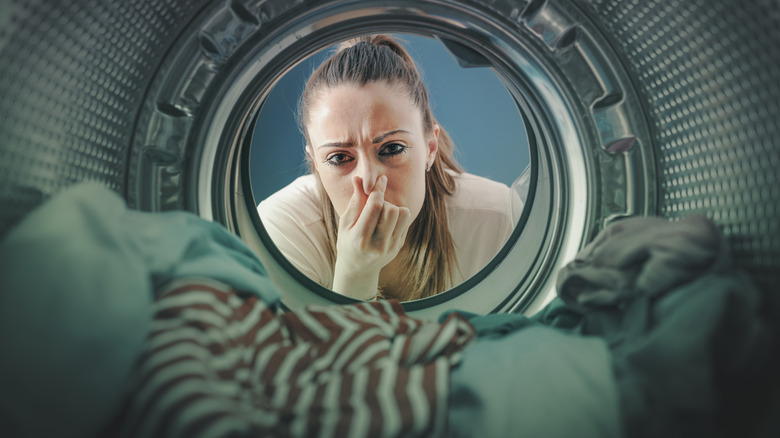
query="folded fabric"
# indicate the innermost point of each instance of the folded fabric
(216, 364)
(78, 277)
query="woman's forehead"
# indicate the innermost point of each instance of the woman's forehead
(367, 111)
(356, 93)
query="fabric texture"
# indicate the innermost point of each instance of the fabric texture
(479, 215)
(534, 381)
(217, 364)
(685, 330)
(665, 339)
(78, 276)
(641, 256)
(169, 324)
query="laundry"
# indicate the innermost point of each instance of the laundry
(685, 330)
(123, 323)
(641, 256)
(79, 276)
(217, 364)
(86, 343)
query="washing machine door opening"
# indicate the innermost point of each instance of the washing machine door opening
(589, 152)
(669, 109)
(471, 104)
(274, 153)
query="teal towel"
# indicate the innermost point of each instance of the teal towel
(78, 277)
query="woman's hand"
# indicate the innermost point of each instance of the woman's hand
(371, 233)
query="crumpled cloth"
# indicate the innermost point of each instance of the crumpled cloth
(684, 327)
(654, 316)
(522, 379)
(219, 364)
(643, 256)
(78, 279)
(91, 311)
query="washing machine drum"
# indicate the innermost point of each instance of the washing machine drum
(660, 107)
(664, 108)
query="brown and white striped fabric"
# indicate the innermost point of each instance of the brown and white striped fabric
(218, 364)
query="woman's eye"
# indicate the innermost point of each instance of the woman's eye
(393, 149)
(337, 159)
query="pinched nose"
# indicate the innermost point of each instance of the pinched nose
(369, 172)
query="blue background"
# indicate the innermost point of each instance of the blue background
(471, 103)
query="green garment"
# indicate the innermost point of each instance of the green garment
(78, 277)
(685, 344)
(687, 336)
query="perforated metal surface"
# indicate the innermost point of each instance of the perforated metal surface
(710, 71)
(74, 75)
(71, 80)
(77, 83)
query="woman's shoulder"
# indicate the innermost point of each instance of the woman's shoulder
(479, 193)
(480, 220)
(298, 201)
(292, 218)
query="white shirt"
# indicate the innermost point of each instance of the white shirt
(479, 215)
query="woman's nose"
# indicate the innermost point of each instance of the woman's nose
(368, 172)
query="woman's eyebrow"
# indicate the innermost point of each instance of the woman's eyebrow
(382, 137)
(337, 144)
(349, 144)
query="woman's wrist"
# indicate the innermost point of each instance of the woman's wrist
(362, 286)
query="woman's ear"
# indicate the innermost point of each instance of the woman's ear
(310, 154)
(433, 144)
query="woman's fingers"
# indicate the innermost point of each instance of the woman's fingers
(392, 228)
(372, 210)
(387, 221)
(372, 223)
(402, 226)
(355, 205)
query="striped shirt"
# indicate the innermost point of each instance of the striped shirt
(217, 363)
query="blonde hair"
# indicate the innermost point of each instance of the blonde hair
(429, 251)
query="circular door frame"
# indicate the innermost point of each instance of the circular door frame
(591, 153)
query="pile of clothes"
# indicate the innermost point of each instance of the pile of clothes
(115, 322)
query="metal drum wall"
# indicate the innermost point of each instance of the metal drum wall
(74, 75)
(72, 79)
(710, 72)
(85, 95)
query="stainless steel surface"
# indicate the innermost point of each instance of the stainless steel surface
(667, 107)
(72, 78)
(710, 71)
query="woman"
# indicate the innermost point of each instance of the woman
(387, 211)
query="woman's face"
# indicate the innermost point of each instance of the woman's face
(370, 131)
